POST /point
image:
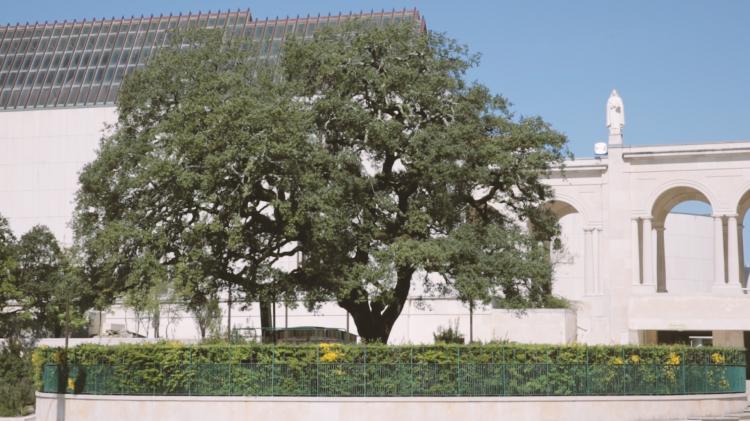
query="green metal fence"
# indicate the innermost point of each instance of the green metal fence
(419, 379)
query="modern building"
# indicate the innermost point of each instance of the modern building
(634, 271)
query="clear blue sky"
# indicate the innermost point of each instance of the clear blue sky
(681, 66)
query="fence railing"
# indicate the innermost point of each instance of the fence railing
(418, 379)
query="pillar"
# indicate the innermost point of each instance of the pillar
(648, 256)
(741, 252)
(635, 250)
(718, 252)
(588, 261)
(596, 276)
(661, 272)
(733, 254)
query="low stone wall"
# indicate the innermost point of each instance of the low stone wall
(53, 407)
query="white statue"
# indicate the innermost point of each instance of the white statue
(615, 113)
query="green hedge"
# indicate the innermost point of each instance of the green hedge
(377, 370)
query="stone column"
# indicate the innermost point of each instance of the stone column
(733, 254)
(635, 249)
(661, 271)
(741, 251)
(718, 252)
(597, 287)
(648, 254)
(588, 261)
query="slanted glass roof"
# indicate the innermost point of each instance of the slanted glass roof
(81, 64)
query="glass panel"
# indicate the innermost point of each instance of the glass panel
(4, 97)
(33, 98)
(27, 62)
(92, 95)
(83, 96)
(63, 95)
(42, 98)
(112, 94)
(14, 97)
(102, 95)
(73, 95)
(23, 98)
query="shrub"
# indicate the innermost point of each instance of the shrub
(431, 370)
(449, 335)
(16, 384)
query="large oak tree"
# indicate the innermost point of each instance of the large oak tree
(365, 151)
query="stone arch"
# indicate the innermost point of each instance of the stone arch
(742, 207)
(681, 277)
(672, 195)
(563, 204)
(570, 260)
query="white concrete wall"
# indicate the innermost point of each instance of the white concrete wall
(688, 244)
(51, 407)
(41, 154)
(419, 320)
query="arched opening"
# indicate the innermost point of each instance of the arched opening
(568, 259)
(682, 242)
(743, 228)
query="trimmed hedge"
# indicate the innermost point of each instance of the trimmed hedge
(434, 370)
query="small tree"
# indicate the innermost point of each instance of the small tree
(207, 316)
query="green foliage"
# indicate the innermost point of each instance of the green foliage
(16, 381)
(372, 156)
(378, 370)
(449, 335)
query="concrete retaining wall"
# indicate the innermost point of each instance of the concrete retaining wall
(53, 407)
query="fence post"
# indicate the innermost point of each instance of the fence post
(682, 369)
(317, 371)
(365, 371)
(586, 367)
(411, 371)
(273, 369)
(458, 372)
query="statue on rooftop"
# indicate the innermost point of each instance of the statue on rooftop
(615, 113)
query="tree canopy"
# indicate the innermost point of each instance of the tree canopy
(359, 165)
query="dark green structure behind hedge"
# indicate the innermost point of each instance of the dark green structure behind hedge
(351, 370)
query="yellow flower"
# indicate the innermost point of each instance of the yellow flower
(635, 359)
(329, 357)
(71, 384)
(617, 361)
(673, 359)
(331, 353)
(717, 358)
